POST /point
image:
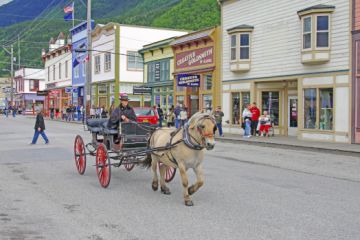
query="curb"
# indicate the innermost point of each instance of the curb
(290, 146)
(57, 120)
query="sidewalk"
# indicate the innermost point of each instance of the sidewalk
(293, 143)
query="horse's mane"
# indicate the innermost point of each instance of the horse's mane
(199, 115)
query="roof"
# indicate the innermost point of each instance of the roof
(242, 26)
(193, 36)
(317, 7)
(156, 45)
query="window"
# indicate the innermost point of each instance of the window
(233, 47)
(84, 69)
(54, 72)
(48, 69)
(77, 71)
(310, 108)
(239, 102)
(244, 46)
(307, 33)
(322, 31)
(207, 82)
(97, 64)
(102, 89)
(107, 62)
(321, 99)
(66, 69)
(207, 103)
(134, 61)
(34, 85)
(270, 103)
(59, 70)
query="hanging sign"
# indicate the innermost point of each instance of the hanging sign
(142, 90)
(188, 80)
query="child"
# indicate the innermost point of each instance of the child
(265, 124)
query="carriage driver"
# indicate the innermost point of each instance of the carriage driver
(123, 113)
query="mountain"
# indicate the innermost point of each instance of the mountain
(37, 22)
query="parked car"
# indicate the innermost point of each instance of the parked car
(145, 115)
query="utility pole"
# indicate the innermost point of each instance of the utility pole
(19, 52)
(87, 88)
(12, 76)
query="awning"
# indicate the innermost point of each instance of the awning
(31, 97)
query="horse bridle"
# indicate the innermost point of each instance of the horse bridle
(199, 146)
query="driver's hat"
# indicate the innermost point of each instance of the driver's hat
(123, 97)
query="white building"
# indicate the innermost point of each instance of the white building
(27, 82)
(58, 74)
(293, 59)
(115, 59)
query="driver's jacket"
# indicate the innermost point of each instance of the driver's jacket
(115, 117)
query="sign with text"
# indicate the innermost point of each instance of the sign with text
(157, 72)
(188, 80)
(142, 90)
(42, 93)
(195, 58)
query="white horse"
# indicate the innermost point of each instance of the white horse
(186, 148)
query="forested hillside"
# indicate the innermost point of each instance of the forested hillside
(35, 26)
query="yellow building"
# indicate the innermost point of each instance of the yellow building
(197, 70)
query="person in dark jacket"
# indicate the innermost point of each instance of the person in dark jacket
(39, 128)
(123, 113)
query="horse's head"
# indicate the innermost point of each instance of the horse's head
(204, 126)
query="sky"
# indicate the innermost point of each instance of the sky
(2, 2)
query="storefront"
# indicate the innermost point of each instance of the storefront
(58, 99)
(29, 102)
(197, 70)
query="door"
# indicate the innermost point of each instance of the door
(194, 104)
(293, 115)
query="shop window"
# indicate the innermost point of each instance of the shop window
(207, 103)
(270, 103)
(112, 88)
(180, 89)
(207, 82)
(316, 32)
(170, 100)
(97, 64)
(239, 102)
(163, 102)
(102, 89)
(326, 109)
(310, 108)
(107, 62)
(157, 99)
(134, 61)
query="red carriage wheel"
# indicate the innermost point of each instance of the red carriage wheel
(103, 167)
(169, 174)
(80, 155)
(129, 166)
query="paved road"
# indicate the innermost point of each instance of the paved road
(250, 193)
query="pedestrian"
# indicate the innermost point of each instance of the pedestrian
(92, 112)
(10, 108)
(183, 116)
(171, 117)
(254, 118)
(161, 115)
(218, 114)
(14, 111)
(63, 117)
(177, 111)
(6, 112)
(78, 110)
(39, 128)
(265, 124)
(247, 121)
(98, 112)
(52, 113)
(103, 112)
(68, 113)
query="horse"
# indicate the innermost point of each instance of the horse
(185, 149)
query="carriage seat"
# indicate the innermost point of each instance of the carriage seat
(95, 125)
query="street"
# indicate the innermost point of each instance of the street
(250, 193)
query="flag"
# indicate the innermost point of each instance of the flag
(69, 12)
(75, 62)
(86, 59)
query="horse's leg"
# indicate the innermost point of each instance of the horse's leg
(185, 183)
(163, 187)
(155, 181)
(200, 180)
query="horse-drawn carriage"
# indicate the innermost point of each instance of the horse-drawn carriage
(163, 149)
(126, 146)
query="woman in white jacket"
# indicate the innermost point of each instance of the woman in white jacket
(247, 120)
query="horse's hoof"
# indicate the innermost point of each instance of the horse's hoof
(191, 190)
(154, 186)
(189, 203)
(165, 191)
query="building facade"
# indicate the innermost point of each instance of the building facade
(158, 73)
(356, 71)
(79, 61)
(197, 70)
(293, 60)
(4, 92)
(117, 65)
(58, 75)
(27, 82)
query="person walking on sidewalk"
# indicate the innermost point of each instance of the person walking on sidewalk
(218, 114)
(254, 118)
(160, 112)
(247, 121)
(171, 117)
(177, 111)
(39, 128)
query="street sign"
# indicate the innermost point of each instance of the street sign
(142, 90)
(68, 89)
(42, 93)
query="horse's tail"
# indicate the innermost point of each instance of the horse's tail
(147, 161)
